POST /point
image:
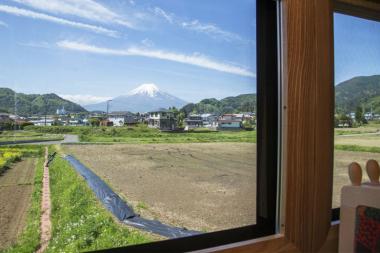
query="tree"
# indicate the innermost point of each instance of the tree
(180, 120)
(94, 121)
(359, 116)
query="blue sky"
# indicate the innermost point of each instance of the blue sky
(357, 47)
(92, 50)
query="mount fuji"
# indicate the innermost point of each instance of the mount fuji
(145, 98)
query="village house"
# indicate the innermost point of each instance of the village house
(122, 118)
(209, 120)
(162, 119)
(193, 121)
(230, 122)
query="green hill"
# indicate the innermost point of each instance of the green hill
(34, 104)
(241, 103)
(358, 91)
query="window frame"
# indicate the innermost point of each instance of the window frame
(267, 201)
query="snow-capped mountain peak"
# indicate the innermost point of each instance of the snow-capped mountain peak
(145, 98)
(148, 89)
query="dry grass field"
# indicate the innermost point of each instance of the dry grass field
(201, 186)
(15, 195)
(369, 140)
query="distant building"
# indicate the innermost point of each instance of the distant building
(61, 111)
(209, 120)
(193, 121)
(123, 118)
(230, 122)
(4, 117)
(162, 119)
(43, 122)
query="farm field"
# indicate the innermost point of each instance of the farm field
(368, 140)
(16, 186)
(367, 128)
(142, 134)
(200, 186)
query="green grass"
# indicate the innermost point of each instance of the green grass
(80, 222)
(21, 135)
(356, 148)
(29, 239)
(143, 134)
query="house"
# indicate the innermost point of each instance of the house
(61, 111)
(230, 122)
(123, 118)
(162, 119)
(43, 122)
(4, 117)
(209, 120)
(193, 121)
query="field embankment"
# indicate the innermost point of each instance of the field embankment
(80, 222)
(21, 136)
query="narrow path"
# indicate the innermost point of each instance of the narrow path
(45, 208)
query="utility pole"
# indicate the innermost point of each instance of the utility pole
(45, 109)
(108, 105)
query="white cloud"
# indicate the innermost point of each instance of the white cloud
(87, 9)
(211, 30)
(195, 59)
(84, 99)
(3, 24)
(161, 13)
(41, 16)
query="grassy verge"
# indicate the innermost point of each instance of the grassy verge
(20, 135)
(30, 237)
(80, 222)
(356, 148)
(242, 136)
(143, 134)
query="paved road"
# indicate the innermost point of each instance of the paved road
(68, 138)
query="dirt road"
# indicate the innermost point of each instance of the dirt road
(201, 186)
(15, 194)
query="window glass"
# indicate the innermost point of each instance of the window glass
(150, 108)
(357, 96)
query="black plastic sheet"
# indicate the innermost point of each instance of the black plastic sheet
(121, 209)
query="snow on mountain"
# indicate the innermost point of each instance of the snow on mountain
(145, 98)
(149, 89)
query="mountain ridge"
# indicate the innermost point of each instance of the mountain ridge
(359, 91)
(34, 104)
